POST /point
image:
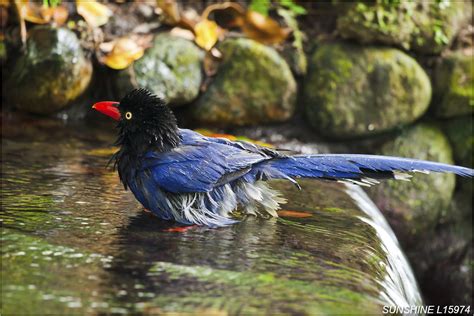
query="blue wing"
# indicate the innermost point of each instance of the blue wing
(200, 164)
(351, 167)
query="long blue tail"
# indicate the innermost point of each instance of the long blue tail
(364, 168)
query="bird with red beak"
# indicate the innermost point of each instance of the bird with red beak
(181, 175)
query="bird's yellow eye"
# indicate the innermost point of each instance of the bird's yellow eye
(128, 115)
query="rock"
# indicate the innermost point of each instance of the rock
(459, 132)
(254, 85)
(51, 74)
(353, 91)
(171, 68)
(438, 23)
(414, 208)
(361, 22)
(443, 261)
(425, 27)
(3, 52)
(453, 82)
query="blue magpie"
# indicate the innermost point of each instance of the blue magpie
(181, 175)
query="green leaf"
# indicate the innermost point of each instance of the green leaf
(295, 8)
(260, 6)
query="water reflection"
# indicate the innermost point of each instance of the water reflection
(73, 240)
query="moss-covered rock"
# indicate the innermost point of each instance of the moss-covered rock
(254, 85)
(437, 23)
(427, 27)
(3, 51)
(378, 23)
(51, 73)
(171, 68)
(453, 85)
(415, 207)
(459, 132)
(353, 91)
(443, 260)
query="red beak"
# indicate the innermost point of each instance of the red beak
(108, 108)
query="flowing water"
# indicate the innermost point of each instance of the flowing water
(73, 241)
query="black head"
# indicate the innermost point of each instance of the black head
(145, 124)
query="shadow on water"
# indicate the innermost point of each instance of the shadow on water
(74, 241)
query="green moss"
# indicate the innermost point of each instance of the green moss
(461, 137)
(378, 23)
(427, 27)
(36, 276)
(453, 82)
(52, 73)
(171, 68)
(253, 85)
(351, 91)
(417, 206)
(268, 292)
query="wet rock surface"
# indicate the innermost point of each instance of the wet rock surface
(171, 68)
(51, 74)
(74, 242)
(415, 208)
(453, 82)
(443, 260)
(254, 85)
(459, 132)
(427, 27)
(354, 91)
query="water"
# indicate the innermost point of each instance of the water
(73, 241)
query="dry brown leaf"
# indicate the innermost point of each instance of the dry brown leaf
(170, 11)
(95, 13)
(183, 33)
(227, 14)
(294, 214)
(254, 25)
(60, 15)
(264, 29)
(34, 13)
(207, 33)
(3, 16)
(125, 51)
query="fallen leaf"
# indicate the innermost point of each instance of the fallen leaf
(207, 34)
(32, 12)
(102, 152)
(170, 11)
(264, 29)
(295, 214)
(184, 33)
(3, 14)
(95, 13)
(227, 14)
(254, 24)
(180, 229)
(209, 133)
(60, 15)
(125, 51)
